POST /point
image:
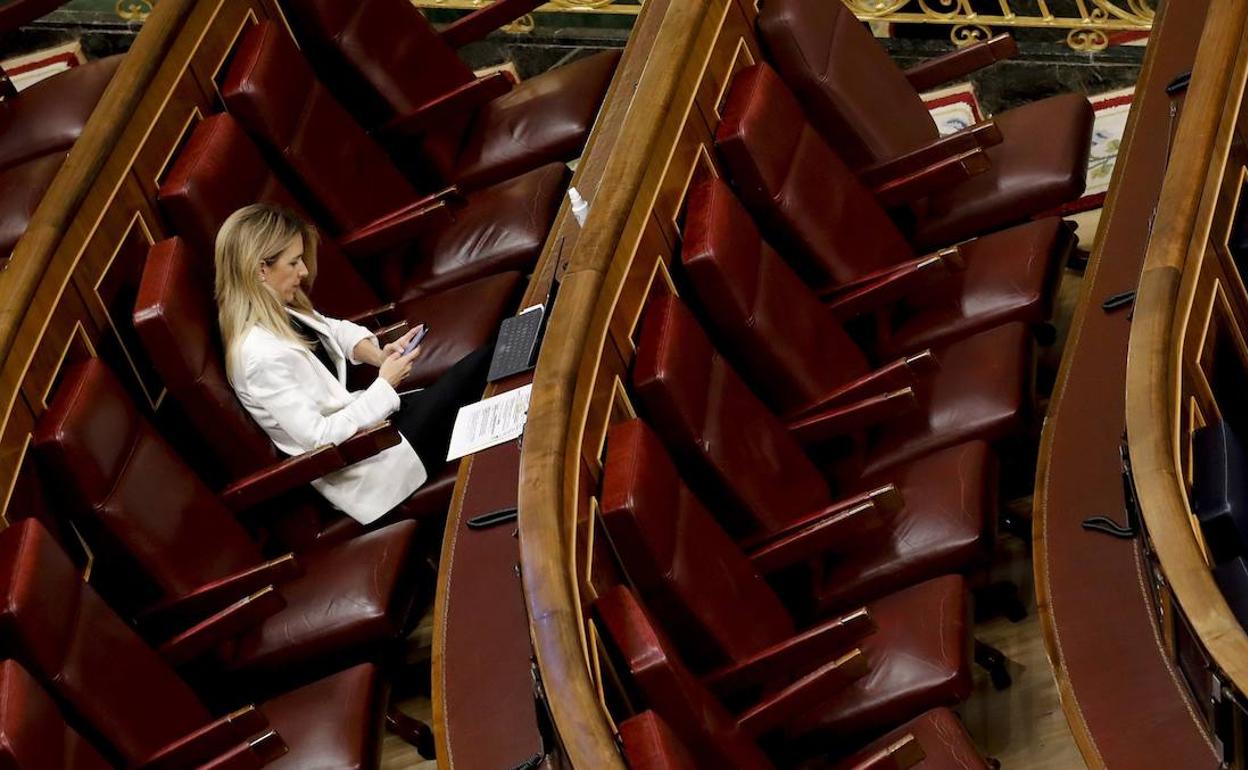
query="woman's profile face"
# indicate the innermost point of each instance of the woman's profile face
(287, 271)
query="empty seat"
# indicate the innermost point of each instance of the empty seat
(767, 484)
(33, 733)
(272, 91)
(220, 170)
(649, 744)
(726, 620)
(385, 61)
(129, 491)
(794, 352)
(49, 116)
(175, 318)
(716, 738)
(128, 696)
(21, 188)
(866, 107)
(831, 229)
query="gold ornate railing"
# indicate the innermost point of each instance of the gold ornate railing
(1088, 23)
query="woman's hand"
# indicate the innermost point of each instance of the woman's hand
(396, 366)
(398, 345)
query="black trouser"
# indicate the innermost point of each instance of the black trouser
(426, 417)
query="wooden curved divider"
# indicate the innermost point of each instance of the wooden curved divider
(1190, 318)
(613, 264)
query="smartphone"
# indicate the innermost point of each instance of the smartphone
(421, 332)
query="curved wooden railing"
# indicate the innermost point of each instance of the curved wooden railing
(1191, 313)
(613, 264)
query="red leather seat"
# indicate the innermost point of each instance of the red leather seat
(716, 738)
(835, 234)
(649, 744)
(175, 318)
(385, 61)
(865, 106)
(725, 618)
(49, 116)
(33, 734)
(220, 170)
(272, 91)
(129, 491)
(120, 688)
(21, 188)
(763, 486)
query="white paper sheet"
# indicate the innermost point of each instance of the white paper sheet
(489, 422)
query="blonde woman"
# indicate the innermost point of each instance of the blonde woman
(288, 365)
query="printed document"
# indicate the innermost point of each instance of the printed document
(489, 422)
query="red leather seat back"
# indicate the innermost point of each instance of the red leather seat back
(33, 733)
(701, 722)
(383, 58)
(691, 574)
(176, 320)
(61, 632)
(853, 92)
(219, 171)
(126, 483)
(649, 744)
(808, 202)
(772, 322)
(273, 92)
(703, 411)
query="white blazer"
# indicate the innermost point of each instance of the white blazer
(303, 407)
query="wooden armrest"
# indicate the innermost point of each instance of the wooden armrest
(399, 227)
(901, 754)
(901, 373)
(210, 741)
(940, 175)
(252, 755)
(852, 418)
(376, 315)
(894, 284)
(174, 615)
(926, 75)
(294, 472)
(803, 695)
(478, 24)
(841, 531)
(886, 499)
(792, 658)
(209, 634)
(981, 135)
(462, 100)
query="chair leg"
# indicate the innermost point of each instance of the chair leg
(994, 662)
(1000, 598)
(414, 731)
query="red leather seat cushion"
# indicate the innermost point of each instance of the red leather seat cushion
(1010, 275)
(460, 320)
(432, 499)
(918, 656)
(21, 188)
(1040, 164)
(332, 723)
(49, 116)
(502, 227)
(545, 118)
(946, 744)
(950, 500)
(650, 745)
(33, 733)
(353, 597)
(981, 391)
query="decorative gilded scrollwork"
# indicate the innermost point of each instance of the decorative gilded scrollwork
(134, 10)
(965, 34)
(1087, 27)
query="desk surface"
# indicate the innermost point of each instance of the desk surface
(1116, 682)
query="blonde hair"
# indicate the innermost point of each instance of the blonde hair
(256, 235)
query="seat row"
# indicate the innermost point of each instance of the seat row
(258, 592)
